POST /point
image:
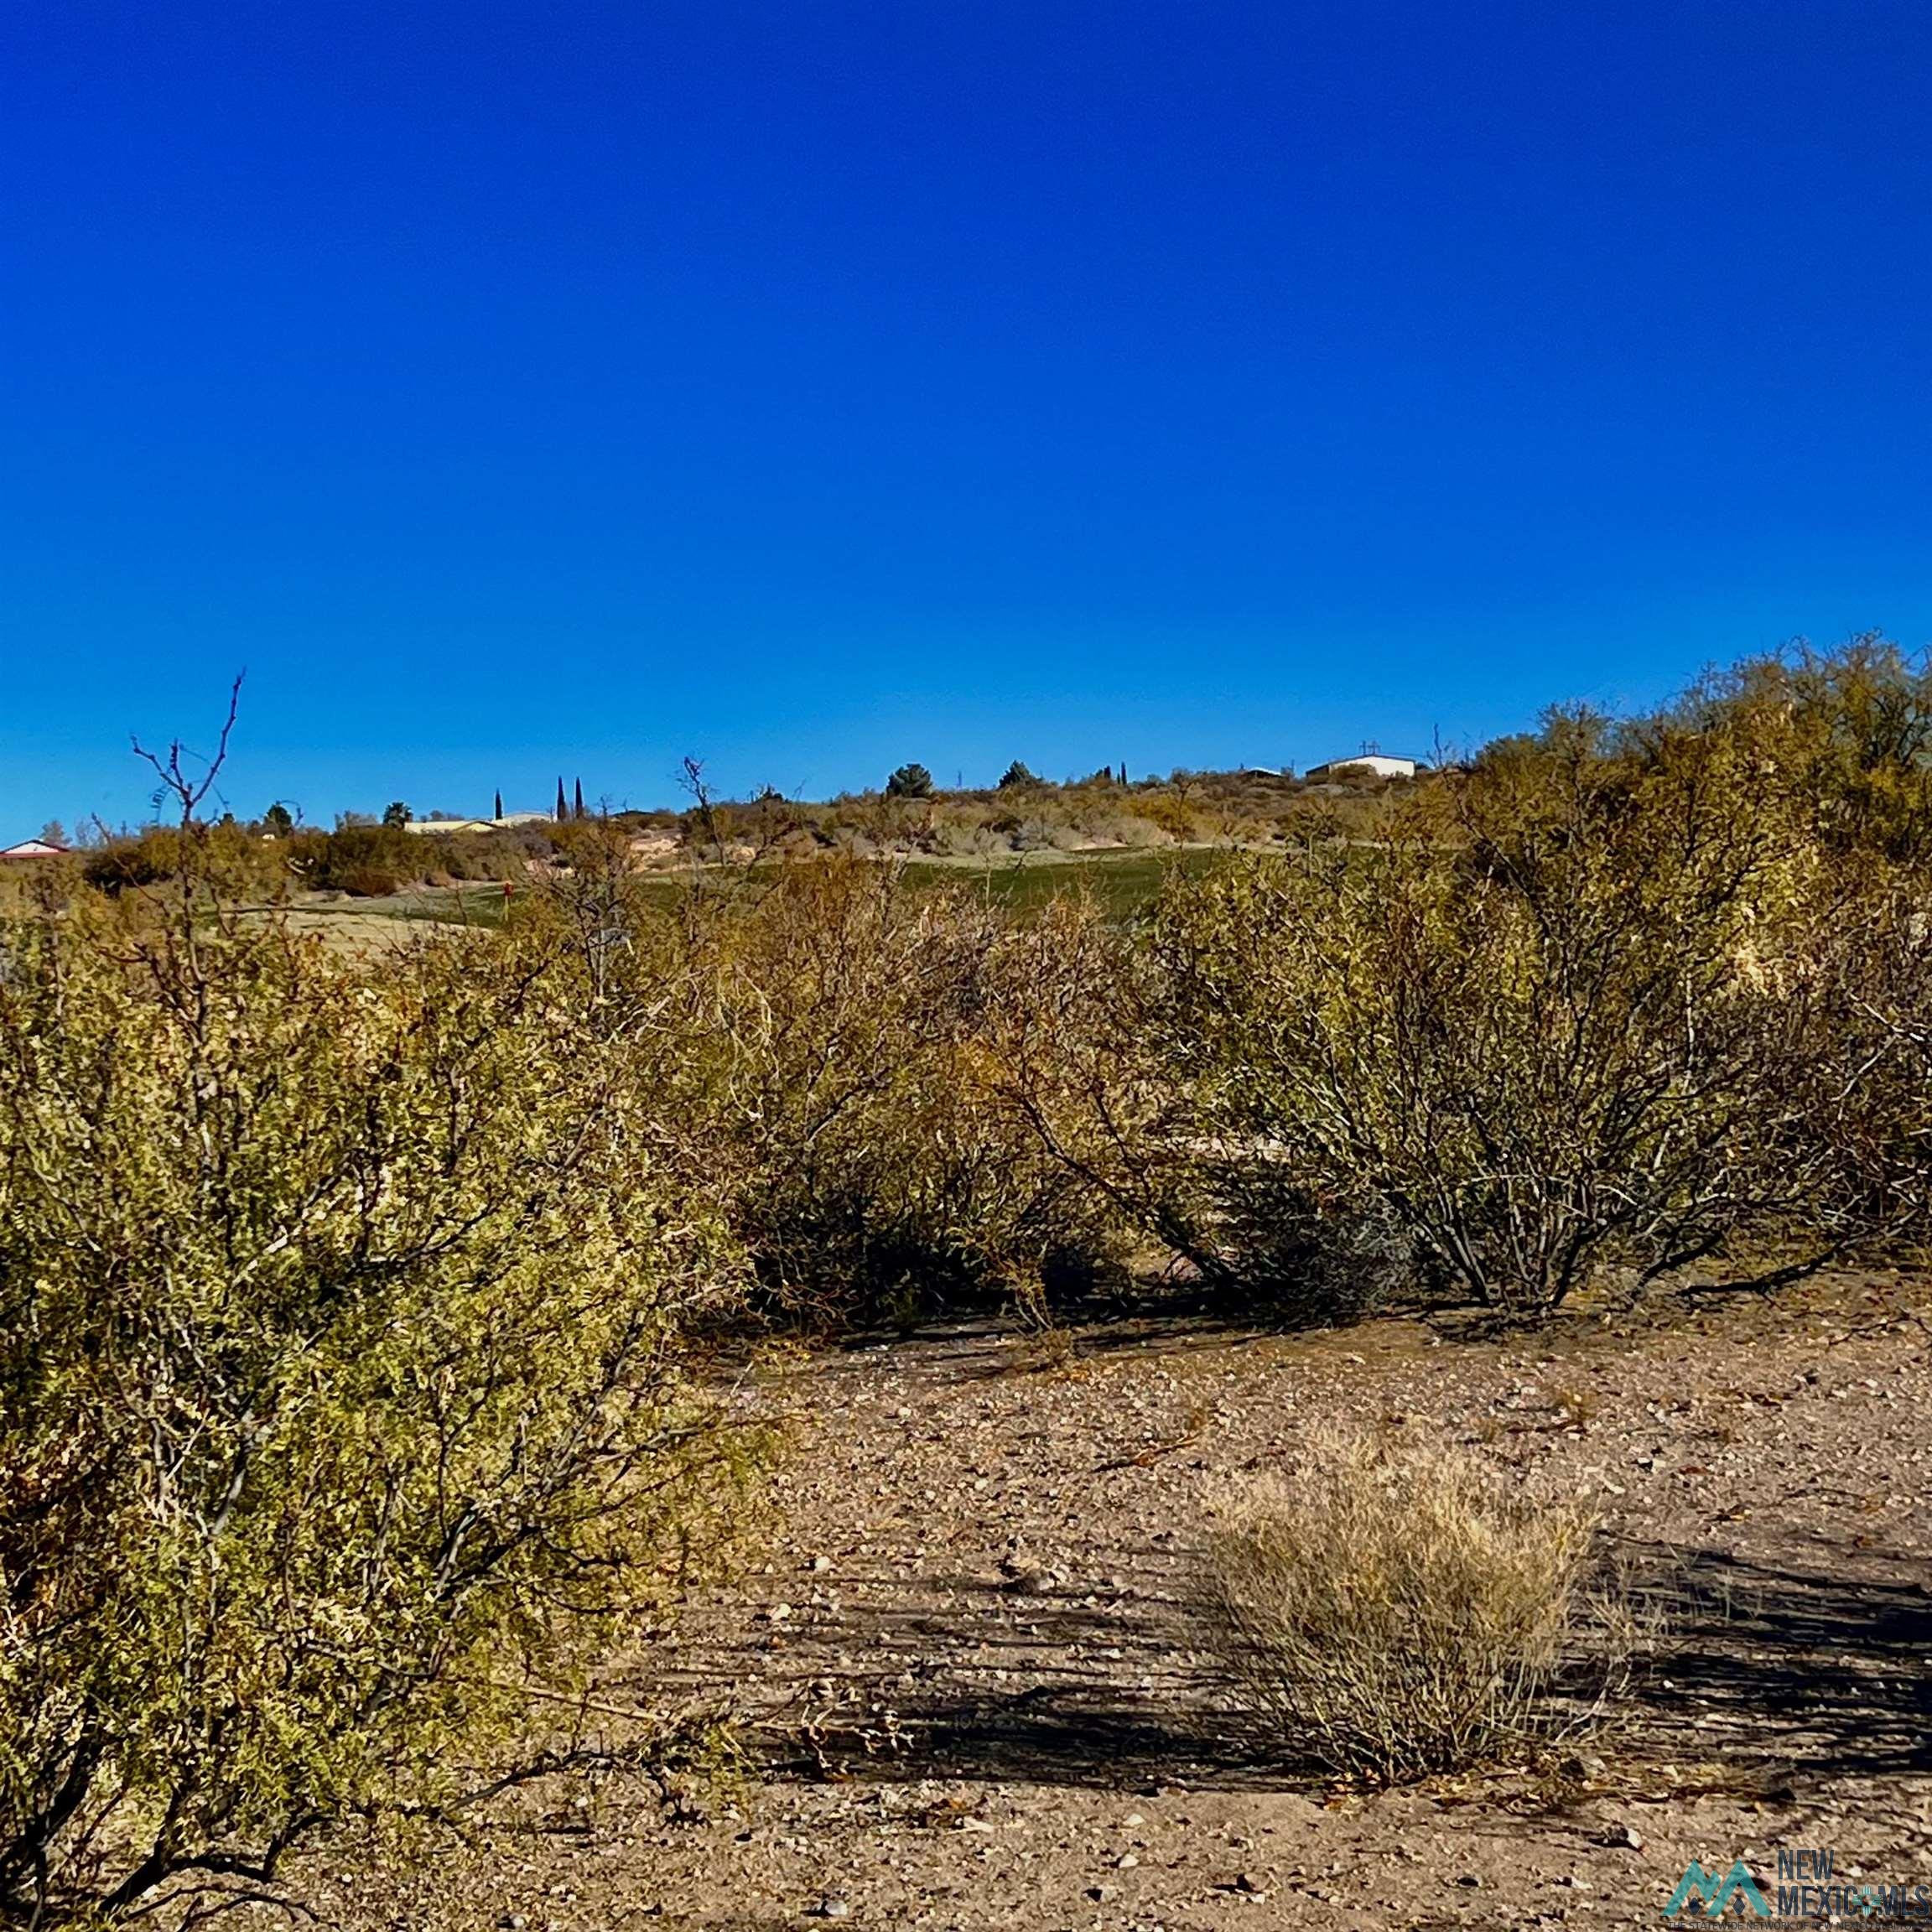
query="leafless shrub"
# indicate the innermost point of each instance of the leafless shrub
(880, 1168)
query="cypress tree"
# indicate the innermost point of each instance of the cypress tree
(562, 808)
(579, 813)
(498, 812)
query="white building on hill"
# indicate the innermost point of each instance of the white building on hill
(1372, 764)
(508, 823)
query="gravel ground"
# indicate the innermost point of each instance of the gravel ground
(975, 1695)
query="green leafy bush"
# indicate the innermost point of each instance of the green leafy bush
(368, 860)
(1565, 1017)
(341, 1405)
(124, 863)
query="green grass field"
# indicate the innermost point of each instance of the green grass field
(1125, 884)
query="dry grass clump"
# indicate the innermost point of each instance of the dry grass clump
(1393, 1611)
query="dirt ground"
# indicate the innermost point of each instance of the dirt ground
(977, 1699)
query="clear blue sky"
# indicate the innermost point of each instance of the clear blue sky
(517, 389)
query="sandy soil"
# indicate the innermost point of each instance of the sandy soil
(977, 1698)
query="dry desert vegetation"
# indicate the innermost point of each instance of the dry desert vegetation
(972, 1686)
(1383, 1379)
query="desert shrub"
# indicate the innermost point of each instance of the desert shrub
(341, 1405)
(366, 881)
(1298, 1259)
(474, 855)
(1129, 828)
(1167, 813)
(1391, 1613)
(1844, 737)
(969, 837)
(302, 854)
(854, 1110)
(158, 854)
(1853, 1061)
(821, 1043)
(368, 860)
(1036, 834)
(1083, 1057)
(1089, 1058)
(1557, 1021)
(127, 863)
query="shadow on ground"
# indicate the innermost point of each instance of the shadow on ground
(1054, 1735)
(1821, 1674)
(1787, 1675)
(1000, 1683)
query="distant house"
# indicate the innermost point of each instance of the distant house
(33, 849)
(1366, 764)
(507, 822)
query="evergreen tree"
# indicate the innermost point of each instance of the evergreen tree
(579, 812)
(562, 805)
(498, 812)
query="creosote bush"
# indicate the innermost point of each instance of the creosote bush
(343, 1405)
(1602, 1004)
(1392, 1613)
(878, 1168)
(826, 1053)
